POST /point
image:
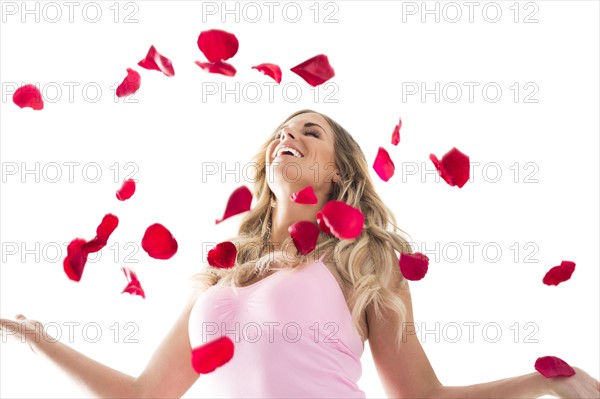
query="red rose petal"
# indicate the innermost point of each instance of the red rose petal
(558, 274)
(107, 226)
(223, 255)
(383, 165)
(155, 61)
(271, 70)
(305, 235)
(551, 366)
(396, 133)
(217, 45)
(208, 357)
(130, 84)
(217, 67)
(158, 242)
(340, 219)
(413, 266)
(305, 196)
(239, 201)
(133, 286)
(126, 190)
(453, 168)
(315, 71)
(28, 96)
(75, 260)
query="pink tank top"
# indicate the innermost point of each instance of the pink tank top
(293, 336)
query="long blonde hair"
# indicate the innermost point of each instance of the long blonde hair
(365, 263)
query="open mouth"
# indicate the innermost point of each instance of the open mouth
(287, 151)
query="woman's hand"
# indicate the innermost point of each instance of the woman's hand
(22, 329)
(580, 385)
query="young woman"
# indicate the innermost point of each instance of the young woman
(299, 323)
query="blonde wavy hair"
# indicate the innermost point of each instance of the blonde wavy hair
(365, 264)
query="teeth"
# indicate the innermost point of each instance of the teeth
(293, 151)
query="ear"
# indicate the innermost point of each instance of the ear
(336, 177)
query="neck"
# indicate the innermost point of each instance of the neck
(286, 213)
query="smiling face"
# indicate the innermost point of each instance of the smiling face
(302, 153)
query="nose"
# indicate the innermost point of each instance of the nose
(286, 133)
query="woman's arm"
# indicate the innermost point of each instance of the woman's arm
(405, 371)
(169, 372)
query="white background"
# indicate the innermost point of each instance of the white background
(169, 131)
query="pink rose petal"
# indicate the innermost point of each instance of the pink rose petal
(304, 235)
(74, 262)
(396, 133)
(130, 84)
(126, 190)
(239, 201)
(341, 220)
(383, 165)
(206, 358)
(271, 70)
(305, 196)
(155, 61)
(315, 71)
(158, 242)
(105, 229)
(223, 255)
(454, 167)
(551, 366)
(413, 266)
(222, 68)
(28, 96)
(133, 286)
(217, 45)
(558, 274)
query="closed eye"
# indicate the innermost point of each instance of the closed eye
(312, 133)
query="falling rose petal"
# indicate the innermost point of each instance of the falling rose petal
(271, 70)
(305, 235)
(551, 366)
(453, 168)
(558, 274)
(133, 286)
(315, 71)
(107, 226)
(218, 45)
(208, 357)
(28, 96)
(155, 61)
(217, 67)
(75, 260)
(396, 133)
(383, 165)
(239, 201)
(223, 255)
(158, 242)
(130, 84)
(340, 219)
(305, 196)
(414, 266)
(126, 190)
